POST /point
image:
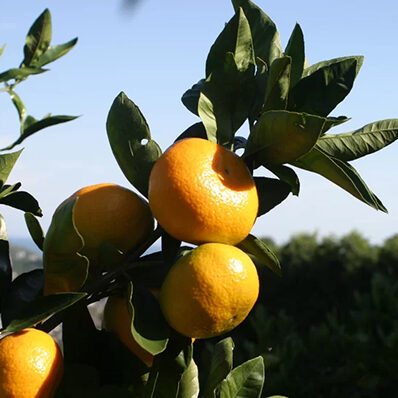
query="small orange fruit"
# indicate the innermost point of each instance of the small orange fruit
(200, 192)
(117, 319)
(209, 291)
(31, 365)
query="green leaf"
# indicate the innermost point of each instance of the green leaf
(20, 73)
(261, 252)
(321, 91)
(7, 162)
(288, 175)
(38, 38)
(244, 52)
(170, 248)
(295, 49)
(23, 201)
(340, 173)
(334, 121)
(35, 230)
(55, 52)
(245, 381)
(23, 289)
(265, 36)
(282, 137)
(131, 142)
(361, 142)
(2, 49)
(5, 262)
(278, 84)
(271, 192)
(148, 325)
(259, 90)
(19, 105)
(189, 383)
(7, 189)
(31, 126)
(64, 268)
(220, 366)
(191, 97)
(40, 309)
(196, 130)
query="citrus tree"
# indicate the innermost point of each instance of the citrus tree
(203, 199)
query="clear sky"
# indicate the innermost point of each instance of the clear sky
(157, 50)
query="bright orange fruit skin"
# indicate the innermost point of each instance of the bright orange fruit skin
(209, 291)
(31, 365)
(200, 192)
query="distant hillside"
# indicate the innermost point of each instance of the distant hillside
(24, 260)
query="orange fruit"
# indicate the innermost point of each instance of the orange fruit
(200, 192)
(117, 319)
(31, 365)
(209, 291)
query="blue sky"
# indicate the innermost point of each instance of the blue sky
(158, 50)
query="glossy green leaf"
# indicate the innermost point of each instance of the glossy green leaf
(23, 289)
(191, 97)
(340, 173)
(38, 38)
(287, 175)
(278, 84)
(19, 105)
(361, 142)
(148, 325)
(31, 126)
(245, 381)
(220, 366)
(20, 73)
(189, 383)
(261, 252)
(55, 52)
(64, 268)
(5, 262)
(282, 137)
(265, 36)
(259, 90)
(35, 229)
(295, 49)
(41, 308)
(7, 162)
(271, 192)
(321, 91)
(131, 142)
(196, 130)
(23, 201)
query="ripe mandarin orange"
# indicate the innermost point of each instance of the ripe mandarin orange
(209, 291)
(200, 192)
(31, 365)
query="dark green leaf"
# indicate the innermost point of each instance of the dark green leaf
(7, 189)
(189, 383)
(340, 173)
(334, 121)
(295, 49)
(131, 142)
(245, 381)
(20, 73)
(19, 105)
(319, 65)
(32, 126)
(288, 175)
(361, 142)
(265, 36)
(35, 230)
(261, 252)
(109, 256)
(220, 366)
(41, 308)
(321, 91)
(170, 248)
(239, 143)
(65, 269)
(196, 130)
(23, 290)
(282, 137)
(5, 262)
(148, 325)
(23, 201)
(55, 52)
(260, 87)
(271, 192)
(7, 162)
(244, 52)
(38, 38)
(278, 84)
(191, 97)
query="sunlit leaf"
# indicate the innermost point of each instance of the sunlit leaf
(19, 105)
(55, 52)
(189, 383)
(7, 162)
(20, 73)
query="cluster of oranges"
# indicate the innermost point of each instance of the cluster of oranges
(200, 193)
